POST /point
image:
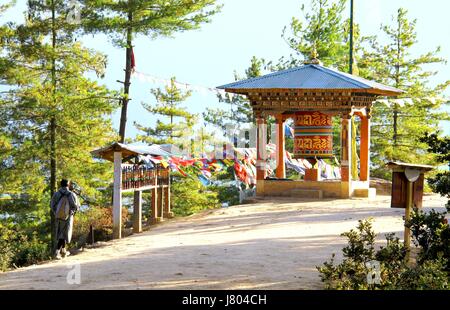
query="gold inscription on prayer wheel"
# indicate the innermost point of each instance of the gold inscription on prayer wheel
(313, 135)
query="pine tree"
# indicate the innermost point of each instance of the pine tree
(239, 110)
(203, 140)
(124, 20)
(178, 128)
(440, 146)
(5, 65)
(51, 112)
(323, 29)
(397, 128)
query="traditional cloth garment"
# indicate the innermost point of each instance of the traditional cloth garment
(228, 162)
(206, 173)
(295, 166)
(64, 227)
(240, 171)
(187, 162)
(164, 163)
(288, 131)
(216, 167)
(204, 180)
(329, 172)
(337, 173)
(133, 61)
(250, 177)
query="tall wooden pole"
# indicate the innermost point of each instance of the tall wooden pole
(261, 141)
(407, 233)
(137, 212)
(167, 207)
(155, 216)
(364, 148)
(346, 156)
(281, 169)
(350, 69)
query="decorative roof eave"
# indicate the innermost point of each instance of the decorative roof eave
(369, 91)
(127, 151)
(394, 164)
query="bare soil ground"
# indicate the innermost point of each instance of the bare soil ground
(272, 244)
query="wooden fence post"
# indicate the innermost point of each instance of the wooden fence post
(155, 216)
(167, 208)
(137, 212)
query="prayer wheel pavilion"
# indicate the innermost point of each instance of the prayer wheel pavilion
(311, 95)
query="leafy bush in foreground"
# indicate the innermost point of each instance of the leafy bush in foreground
(17, 248)
(359, 255)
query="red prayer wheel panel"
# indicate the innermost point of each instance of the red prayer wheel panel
(313, 135)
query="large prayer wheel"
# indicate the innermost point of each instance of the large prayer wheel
(313, 135)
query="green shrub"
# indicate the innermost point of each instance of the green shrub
(429, 275)
(227, 194)
(189, 196)
(100, 219)
(360, 247)
(441, 185)
(7, 236)
(352, 273)
(31, 251)
(17, 248)
(431, 233)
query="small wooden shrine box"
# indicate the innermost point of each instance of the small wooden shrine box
(402, 173)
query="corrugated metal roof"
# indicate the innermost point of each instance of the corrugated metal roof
(309, 76)
(129, 150)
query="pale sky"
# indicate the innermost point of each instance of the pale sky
(243, 29)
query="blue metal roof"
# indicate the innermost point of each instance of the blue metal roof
(311, 76)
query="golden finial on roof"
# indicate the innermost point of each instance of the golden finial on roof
(314, 60)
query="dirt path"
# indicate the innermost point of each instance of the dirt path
(267, 245)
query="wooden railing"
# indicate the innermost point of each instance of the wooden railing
(137, 177)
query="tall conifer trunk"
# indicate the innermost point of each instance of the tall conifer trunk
(53, 127)
(125, 100)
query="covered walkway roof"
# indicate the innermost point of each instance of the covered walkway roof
(129, 150)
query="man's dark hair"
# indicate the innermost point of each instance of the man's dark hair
(64, 183)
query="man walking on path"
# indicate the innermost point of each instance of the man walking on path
(64, 204)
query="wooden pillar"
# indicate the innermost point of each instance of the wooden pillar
(408, 208)
(261, 142)
(155, 215)
(365, 149)
(281, 168)
(137, 212)
(167, 208)
(117, 196)
(160, 202)
(346, 151)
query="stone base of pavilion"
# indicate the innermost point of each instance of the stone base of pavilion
(315, 189)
